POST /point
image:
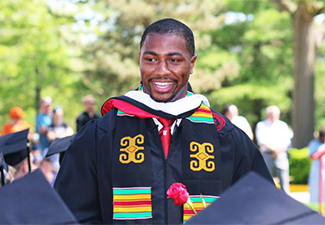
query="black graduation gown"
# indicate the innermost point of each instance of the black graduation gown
(85, 178)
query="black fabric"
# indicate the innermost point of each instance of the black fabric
(130, 173)
(254, 200)
(80, 176)
(88, 166)
(84, 118)
(198, 136)
(31, 200)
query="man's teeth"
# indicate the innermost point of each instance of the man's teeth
(163, 84)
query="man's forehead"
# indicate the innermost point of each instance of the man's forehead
(170, 44)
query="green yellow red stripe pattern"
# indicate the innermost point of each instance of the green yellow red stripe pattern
(202, 115)
(132, 203)
(120, 113)
(198, 205)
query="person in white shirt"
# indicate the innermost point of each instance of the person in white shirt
(231, 112)
(274, 138)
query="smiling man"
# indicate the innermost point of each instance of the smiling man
(119, 167)
(166, 64)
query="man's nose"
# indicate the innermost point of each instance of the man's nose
(162, 68)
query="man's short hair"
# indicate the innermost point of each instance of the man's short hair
(46, 100)
(171, 26)
(88, 98)
(322, 132)
(273, 109)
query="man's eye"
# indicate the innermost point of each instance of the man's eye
(174, 60)
(150, 59)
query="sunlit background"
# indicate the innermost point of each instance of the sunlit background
(69, 48)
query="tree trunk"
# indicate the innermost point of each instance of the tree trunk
(304, 63)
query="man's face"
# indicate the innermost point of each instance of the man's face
(273, 116)
(46, 108)
(89, 106)
(165, 66)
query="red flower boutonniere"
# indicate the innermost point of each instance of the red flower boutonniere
(179, 194)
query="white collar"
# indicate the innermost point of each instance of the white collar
(174, 108)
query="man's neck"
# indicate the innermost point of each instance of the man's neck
(90, 114)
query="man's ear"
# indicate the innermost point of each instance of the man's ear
(24, 166)
(193, 60)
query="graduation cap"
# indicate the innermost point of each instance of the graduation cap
(60, 145)
(14, 147)
(254, 200)
(31, 200)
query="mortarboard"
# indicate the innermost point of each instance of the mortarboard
(31, 200)
(14, 147)
(254, 200)
(60, 145)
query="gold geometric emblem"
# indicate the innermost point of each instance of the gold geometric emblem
(201, 157)
(130, 151)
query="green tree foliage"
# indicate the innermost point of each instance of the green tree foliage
(263, 44)
(69, 48)
(34, 56)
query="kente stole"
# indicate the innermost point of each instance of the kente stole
(132, 160)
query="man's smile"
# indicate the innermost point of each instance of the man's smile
(162, 85)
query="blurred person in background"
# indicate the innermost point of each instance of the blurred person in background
(316, 150)
(274, 138)
(15, 124)
(89, 113)
(231, 112)
(35, 149)
(47, 169)
(43, 120)
(58, 129)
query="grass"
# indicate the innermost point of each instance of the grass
(315, 207)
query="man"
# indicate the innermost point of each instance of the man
(119, 167)
(231, 112)
(43, 120)
(89, 113)
(274, 138)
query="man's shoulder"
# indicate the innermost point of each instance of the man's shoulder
(282, 123)
(107, 121)
(82, 115)
(44, 119)
(263, 123)
(240, 119)
(39, 116)
(222, 123)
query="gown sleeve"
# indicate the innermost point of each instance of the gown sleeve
(77, 180)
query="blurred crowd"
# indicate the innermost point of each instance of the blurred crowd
(50, 125)
(274, 138)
